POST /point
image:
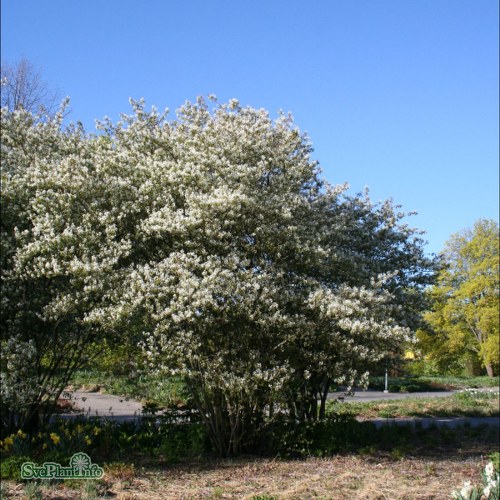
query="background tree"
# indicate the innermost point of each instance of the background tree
(22, 87)
(464, 320)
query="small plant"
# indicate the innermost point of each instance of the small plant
(32, 491)
(495, 458)
(430, 469)
(489, 490)
(120, 470)
(218, 492)
(398, 453)
(368, 450)
(90, 490)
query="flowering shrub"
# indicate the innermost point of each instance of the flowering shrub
(213, 239)
(43, 335)
(489, 490)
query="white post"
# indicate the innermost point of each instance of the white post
(386, 390)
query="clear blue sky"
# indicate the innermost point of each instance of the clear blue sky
(398, 95)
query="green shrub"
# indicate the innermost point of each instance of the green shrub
(495, 458)
(411, 388)
(182, 441)
(10, 467)
(337, 432)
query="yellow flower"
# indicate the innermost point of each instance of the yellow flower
(8, 441)
(44, 446)
(88, 440)
(79, 429)
(96, 430)
(55, 438)
(21, 434)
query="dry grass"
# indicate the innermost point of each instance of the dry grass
(346, 477)
(370, 477)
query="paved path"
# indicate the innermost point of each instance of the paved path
(95, 404)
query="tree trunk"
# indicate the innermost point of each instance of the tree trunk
(324, 395)
(489, 370)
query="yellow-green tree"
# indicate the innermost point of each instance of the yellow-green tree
(464, 319)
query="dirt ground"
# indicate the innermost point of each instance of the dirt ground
(369, 477)
(336, 478)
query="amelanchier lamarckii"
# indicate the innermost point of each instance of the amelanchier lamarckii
(214, 236)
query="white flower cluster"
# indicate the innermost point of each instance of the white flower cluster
(489, 490)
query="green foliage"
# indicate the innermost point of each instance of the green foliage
(90, 490)
(10, 467)
(406, 384)
(463, 324)
(452, 382)
(426, 383)
(495, 458)
(171, 439)
(472, 402)
(340, 433)
(337, 432)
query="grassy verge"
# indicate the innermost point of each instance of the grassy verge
(425, 384)
(469, 403)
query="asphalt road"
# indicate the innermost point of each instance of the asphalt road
(95, 404)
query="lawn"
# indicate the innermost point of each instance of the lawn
(467, 403)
